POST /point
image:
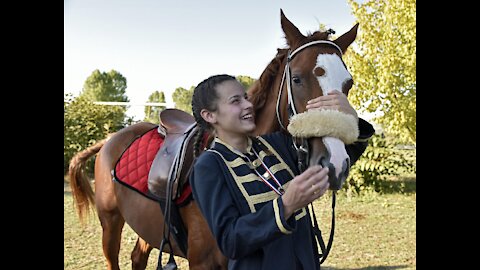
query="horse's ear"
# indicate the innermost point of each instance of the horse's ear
(346, 39)
(292, 34)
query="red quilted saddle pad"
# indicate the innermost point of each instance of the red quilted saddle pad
(133, 166)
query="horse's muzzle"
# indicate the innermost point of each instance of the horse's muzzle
(335, 181)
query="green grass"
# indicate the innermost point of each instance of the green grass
(372, 232)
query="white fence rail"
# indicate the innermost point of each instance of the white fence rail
(112, 103)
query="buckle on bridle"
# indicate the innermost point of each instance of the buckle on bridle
(302, 152)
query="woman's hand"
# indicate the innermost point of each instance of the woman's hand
(305, 188)
(335, 100)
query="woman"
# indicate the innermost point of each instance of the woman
(248, 188)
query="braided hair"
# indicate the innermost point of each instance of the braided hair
(205, 97)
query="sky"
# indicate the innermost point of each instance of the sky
(161, 45)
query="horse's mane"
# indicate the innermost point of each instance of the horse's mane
(257, 92)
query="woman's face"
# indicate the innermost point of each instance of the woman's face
(234, 114)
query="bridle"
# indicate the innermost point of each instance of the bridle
(301, 144)
(287, 77)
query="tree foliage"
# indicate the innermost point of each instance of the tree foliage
(383, 63)
(183, 99)
(383, 158)
(152, 112)
(85, 123)
(103, 86)
(246, 81)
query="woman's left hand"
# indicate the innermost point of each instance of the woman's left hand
(335, 100)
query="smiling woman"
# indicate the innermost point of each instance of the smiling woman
(267, 224)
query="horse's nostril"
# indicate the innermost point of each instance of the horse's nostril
(323, 161)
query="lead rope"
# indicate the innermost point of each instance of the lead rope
(302, 153)
(318, 232)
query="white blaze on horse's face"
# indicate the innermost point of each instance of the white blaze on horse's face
(335, 73)
(334, 77)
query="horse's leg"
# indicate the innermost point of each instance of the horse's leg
(203, 252)
(140, 254)
(106, 200)
(112, 224)
(109, 215)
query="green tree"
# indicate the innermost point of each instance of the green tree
(383, 63)
(103, 86)
(85, 123)
(246, 81)
(152, 112)
(183, 98)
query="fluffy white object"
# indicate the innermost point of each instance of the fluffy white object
(319, 123)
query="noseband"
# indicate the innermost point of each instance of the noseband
(300, 143)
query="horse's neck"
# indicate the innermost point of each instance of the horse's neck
(266, 115)
(266, 118)
(266, 121)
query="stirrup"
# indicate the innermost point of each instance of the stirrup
(171, 264)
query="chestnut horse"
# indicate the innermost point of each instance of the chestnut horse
(306, 60)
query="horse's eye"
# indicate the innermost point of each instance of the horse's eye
(296, 80)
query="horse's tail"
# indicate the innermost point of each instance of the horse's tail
(83, 195)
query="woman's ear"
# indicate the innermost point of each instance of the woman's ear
(208, 116)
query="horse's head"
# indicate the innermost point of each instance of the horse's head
(314, 67)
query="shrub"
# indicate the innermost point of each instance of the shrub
(85, 123)
(382, 159)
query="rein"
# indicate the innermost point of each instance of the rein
(303, 154)
(301, 146)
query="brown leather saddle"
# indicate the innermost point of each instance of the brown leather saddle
(175, 157)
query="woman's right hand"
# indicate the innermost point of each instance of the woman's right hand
(305, 188)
